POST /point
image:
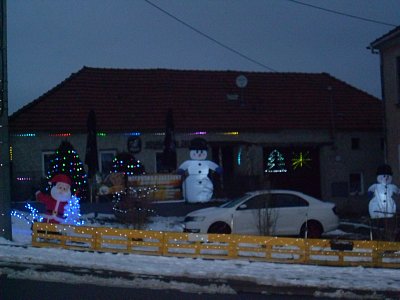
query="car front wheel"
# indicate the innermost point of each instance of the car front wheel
(219, 227)
(311, 229)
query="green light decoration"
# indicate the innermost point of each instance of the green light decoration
(301, 160)
(275, 163)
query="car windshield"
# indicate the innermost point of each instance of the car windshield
(235, 201)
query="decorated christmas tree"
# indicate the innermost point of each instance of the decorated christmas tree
(126, 163)
(66, 161)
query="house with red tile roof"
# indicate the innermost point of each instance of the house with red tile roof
(304, 131)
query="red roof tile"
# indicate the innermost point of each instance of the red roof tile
(128, 100)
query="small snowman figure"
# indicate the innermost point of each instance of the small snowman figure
(382, 204)
(197, 186)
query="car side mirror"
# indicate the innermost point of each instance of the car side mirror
(243, 206)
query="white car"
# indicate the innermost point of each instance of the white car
(269, 212)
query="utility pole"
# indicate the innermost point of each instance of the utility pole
(5, 183)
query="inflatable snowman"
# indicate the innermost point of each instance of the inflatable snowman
(197, 186)
(382, 204)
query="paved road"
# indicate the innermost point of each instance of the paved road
(21, 289)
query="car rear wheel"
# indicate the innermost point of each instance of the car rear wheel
(311, 229)
(219, 227)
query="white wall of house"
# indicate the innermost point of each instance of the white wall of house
(390, 60)
(337, 157)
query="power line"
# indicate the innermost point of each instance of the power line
(210, 38)
(343, 14)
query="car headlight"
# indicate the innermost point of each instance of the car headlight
(194, 219)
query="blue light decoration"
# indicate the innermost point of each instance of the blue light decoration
(239, 156)
(31, 217)
(24, 134)
(198, 133)
(72, 212)
(133, 133)
(276, 163)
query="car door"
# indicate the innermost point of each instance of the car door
(246, 216)
(290, 211)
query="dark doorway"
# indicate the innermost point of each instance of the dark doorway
(295, 168)
(223, 155)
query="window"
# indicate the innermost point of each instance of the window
(355, 143)
(257, 202)
(159, 162)
(356, 184)
(106, 160)
(46, 158)
(286, 200)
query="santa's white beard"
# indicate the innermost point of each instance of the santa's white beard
(63, 197)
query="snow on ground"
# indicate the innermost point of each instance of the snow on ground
(273, 274)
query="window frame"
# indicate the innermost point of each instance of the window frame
(105, 151)
(46, 153)
(361, 184)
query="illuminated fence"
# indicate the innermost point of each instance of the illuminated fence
(219, 246)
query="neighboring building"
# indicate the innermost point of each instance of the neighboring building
(388, 47)
(309, 132)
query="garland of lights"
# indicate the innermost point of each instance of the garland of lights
(126, 163)
(71, 213)
(136, 193)
(31, 217)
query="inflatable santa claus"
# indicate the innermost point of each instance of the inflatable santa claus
(55, 203)
(382, 204)
(197, 186)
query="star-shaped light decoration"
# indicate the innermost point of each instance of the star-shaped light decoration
(301, 160)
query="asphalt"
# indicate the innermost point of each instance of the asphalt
(239, 286)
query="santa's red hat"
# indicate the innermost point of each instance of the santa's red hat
(61, 178)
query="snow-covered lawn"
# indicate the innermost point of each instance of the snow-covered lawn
(341, 279)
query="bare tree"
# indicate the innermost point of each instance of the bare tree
(267, 217)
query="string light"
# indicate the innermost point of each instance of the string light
(24, 179)
(198, 133)
(31, 217)
(24, 134)
(134, 133)
(230, 133)
(276, 163)
(60, 134)
(137, 195)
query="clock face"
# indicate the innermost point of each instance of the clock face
(301, 159)
(241, 81)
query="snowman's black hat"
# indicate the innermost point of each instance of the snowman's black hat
(198, 144)
(384, 170)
